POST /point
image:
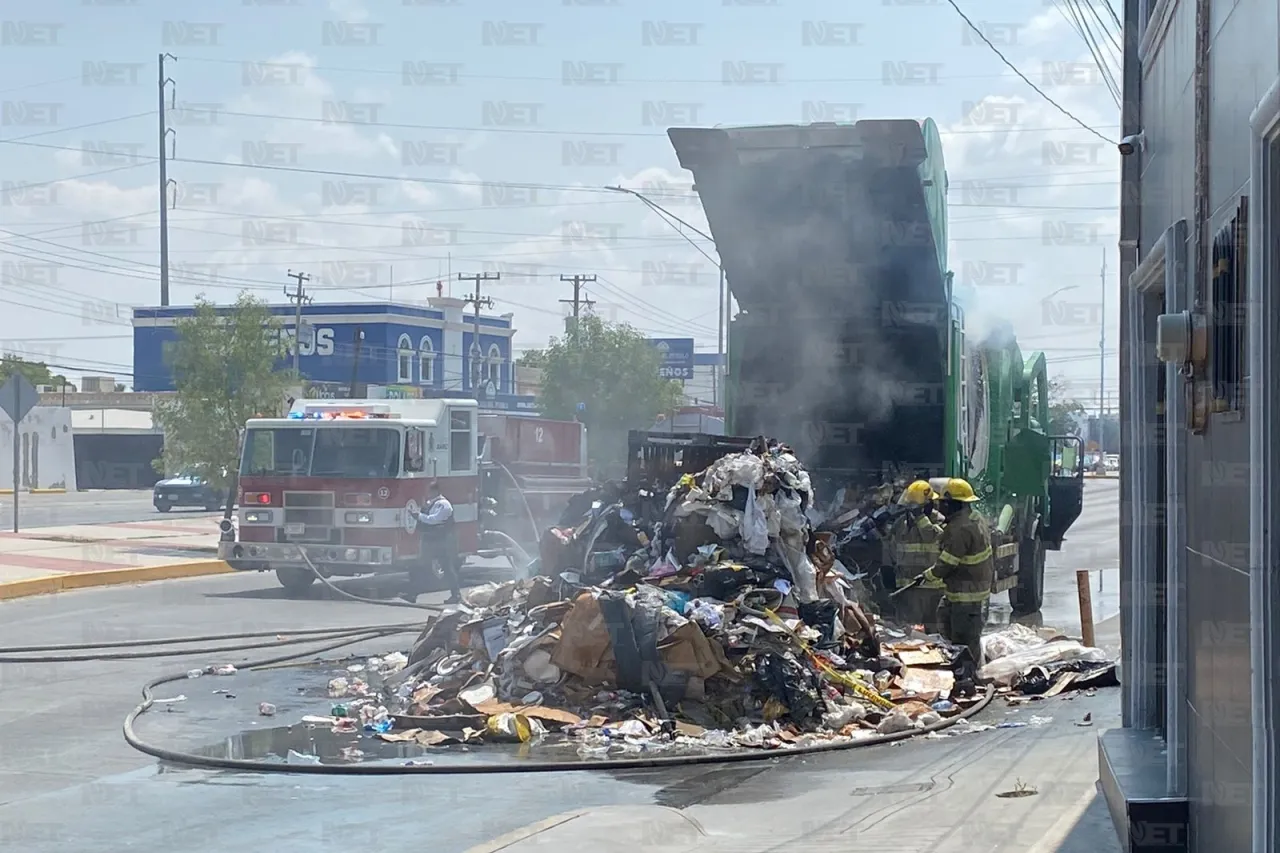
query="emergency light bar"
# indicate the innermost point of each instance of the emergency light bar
(317, 413)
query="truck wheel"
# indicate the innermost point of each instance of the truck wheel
(1028, 596)
(295, 580)
(164, 507)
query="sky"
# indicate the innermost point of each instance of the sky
(384, 145)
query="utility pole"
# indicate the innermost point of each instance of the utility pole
(577, 301)
(477, 301)
(299, 298)
(165, 130)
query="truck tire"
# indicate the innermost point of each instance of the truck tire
(164, 506)
(1028, 596)
(296, 580)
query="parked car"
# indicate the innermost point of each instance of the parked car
(184, 490)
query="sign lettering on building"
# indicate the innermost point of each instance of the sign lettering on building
(314, 341)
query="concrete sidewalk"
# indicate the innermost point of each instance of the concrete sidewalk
(50, 559)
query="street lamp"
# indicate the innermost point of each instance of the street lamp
(721, 305)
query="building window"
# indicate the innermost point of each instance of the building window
(493, 367)
(404, 359)
(1230, 273)
(461, 455)
(426, 362)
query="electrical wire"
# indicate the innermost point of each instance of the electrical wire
(1025, 79)
(521, 78)
(538, 131)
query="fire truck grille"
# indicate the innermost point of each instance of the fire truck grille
(308, 517)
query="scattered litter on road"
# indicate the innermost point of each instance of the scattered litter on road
(223, 669)
(195, 673)
(295, 757)
(266, 709)
(709, 615)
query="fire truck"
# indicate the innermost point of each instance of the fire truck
(343, 481)
(529, 468)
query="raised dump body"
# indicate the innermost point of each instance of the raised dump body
(833, 239)
(847, 342)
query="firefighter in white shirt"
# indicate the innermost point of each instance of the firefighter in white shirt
(439, 544)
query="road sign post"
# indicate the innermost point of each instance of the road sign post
(17, 398)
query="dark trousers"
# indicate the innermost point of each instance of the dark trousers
(963, 625)
(920, 606)
(441, 550)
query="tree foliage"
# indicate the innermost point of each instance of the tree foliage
(225, 366)
(36, 371)
(612, 371)
(1066, 413)
(533, 358)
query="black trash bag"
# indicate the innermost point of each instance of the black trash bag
(821, 616)
(783, 678)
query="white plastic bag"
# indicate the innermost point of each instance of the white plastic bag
(755, 530)
(1005, 669)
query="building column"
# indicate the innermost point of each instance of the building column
(1141, 595)
(1264, 433)
(1175, 597)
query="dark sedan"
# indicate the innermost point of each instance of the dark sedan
(185, 490)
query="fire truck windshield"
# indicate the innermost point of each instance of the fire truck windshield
(330, 451)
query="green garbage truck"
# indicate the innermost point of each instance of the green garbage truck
(848, 341)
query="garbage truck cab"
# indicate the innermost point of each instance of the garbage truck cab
(342, 481)
(849, 342)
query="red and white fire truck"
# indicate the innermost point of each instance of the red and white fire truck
(343, 480)
(529, 468)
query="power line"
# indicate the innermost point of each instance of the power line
(1060, 108)
(407, 69)
(538, 131)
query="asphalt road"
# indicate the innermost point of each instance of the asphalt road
(101, 507)
(68, 780)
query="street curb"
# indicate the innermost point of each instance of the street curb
(47, 491)
(111, 577)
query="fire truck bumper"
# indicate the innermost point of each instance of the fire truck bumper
(336, 559)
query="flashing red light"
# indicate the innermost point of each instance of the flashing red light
(257, 498)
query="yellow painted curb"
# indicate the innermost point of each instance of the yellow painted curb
(111, 577)
(47, 491)
(6, 491)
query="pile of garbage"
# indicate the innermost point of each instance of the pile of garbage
(710, 616)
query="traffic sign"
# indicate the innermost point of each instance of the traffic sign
(18, 397)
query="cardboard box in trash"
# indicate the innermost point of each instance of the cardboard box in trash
(586, 649)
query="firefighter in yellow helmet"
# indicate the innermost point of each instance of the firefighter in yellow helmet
(914, 548)
(965, 565)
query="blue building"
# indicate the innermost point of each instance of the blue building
(434, 351)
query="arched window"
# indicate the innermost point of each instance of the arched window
(426, 362)
(476, 367)
(493, 366)
(404, 359)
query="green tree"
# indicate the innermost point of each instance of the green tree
(612, 372)
(226, 370)
(36, 371)
(1066, 413)
(533, 358)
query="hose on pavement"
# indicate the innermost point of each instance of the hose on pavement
(246, 765)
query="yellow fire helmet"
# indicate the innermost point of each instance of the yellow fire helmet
(958, 490)
(917, 494)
